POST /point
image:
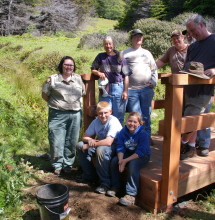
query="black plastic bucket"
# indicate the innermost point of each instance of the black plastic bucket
(53, 202)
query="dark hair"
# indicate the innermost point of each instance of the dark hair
(60, 66)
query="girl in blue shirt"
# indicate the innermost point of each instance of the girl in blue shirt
(133, 152)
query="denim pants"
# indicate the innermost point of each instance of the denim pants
(139, 100)
(116, 101)
(134, 167)
(203, 139)
(103, 155)
(63, 134)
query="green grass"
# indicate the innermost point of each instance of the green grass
(25, 62)
(98, 25)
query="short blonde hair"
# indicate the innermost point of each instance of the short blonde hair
(102, 105)
(137, 115)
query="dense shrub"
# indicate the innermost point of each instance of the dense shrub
(95, 40)
(210, 22)
(156, 34)
(180, 19)
(82, 62)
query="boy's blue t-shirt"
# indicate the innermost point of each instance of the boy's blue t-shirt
(138, 142)
(109, 129)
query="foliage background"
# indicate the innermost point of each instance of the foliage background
(27, 60)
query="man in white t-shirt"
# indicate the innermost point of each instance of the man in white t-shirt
(143, 78)
(105, 127)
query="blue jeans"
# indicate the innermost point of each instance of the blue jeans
(63, 134)
(103, 155)
(203, 139)
(134, 167)
(139, 100)
(116, 101)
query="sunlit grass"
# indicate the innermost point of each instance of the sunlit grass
(98, 25)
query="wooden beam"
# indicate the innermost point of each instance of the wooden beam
(171, 145)
(89, 100)
(196, 182)
(192, 123)
(158, 104)
(185, 79)
(197, 122)
(88, 76)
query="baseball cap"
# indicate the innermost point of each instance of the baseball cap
(135, 32)
(176, 33)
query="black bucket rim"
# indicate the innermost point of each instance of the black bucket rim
(50, 199)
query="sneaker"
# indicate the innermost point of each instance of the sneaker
(190, 152)
(203, 152)
(102, 189)
(57, 172)
(127, 200)
(111, 193)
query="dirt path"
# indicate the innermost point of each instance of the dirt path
(87, 205)
(84, 202)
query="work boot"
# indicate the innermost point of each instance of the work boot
(189, 153)
(184, 148)
(203, 152)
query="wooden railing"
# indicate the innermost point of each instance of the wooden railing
(170, 128)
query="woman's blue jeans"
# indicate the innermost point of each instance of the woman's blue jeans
(116, 101)
(133, 177)
(63, 134)
(139, 100)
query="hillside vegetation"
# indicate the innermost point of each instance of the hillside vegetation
(25, 62)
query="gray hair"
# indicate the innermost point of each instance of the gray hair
(196, 18)
(108, 38)
(118, 53)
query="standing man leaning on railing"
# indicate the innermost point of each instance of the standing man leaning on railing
(197, 97)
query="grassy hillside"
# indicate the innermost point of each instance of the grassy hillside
(25, 62)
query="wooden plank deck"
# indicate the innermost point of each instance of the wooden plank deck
(194, 173)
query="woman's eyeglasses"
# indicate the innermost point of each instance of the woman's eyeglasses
(65, 64)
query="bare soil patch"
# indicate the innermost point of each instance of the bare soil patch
(88, 205)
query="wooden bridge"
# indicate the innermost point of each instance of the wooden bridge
(166, 178)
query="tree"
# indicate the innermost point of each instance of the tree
(203, 7)
(158, 10)
(110, 9)
(137, 9)
(173, 8)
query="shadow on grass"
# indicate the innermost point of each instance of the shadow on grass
(195, 214)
